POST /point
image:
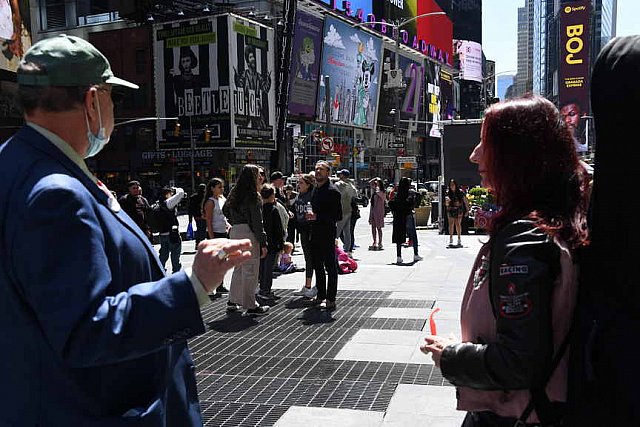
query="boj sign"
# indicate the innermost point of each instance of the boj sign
(215, 74)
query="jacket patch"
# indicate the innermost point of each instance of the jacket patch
(514, 305)
(508, 270)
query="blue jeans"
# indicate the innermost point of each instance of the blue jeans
(175, 248)
(412, 233)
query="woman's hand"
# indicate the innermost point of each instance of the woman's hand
(435, 345)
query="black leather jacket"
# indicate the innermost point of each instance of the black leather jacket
(524, 265)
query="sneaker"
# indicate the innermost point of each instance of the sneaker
(417, 258)
(274, 296)
(399, 260)
(300, 293)
(459, 244)
(222, 290)
(327, 305)
(232, 307)
(310, 292)
(258, 311)
(264, 295)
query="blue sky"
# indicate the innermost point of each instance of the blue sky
(500, 29)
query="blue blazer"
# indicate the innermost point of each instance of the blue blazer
(92, 333)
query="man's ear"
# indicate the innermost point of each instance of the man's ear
(90, 103)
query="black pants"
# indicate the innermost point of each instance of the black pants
(201, 230)
(354, 219)
(489, 419)
(305, 235)
(323, 250)
(266, 271)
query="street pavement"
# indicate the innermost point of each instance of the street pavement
(359, 365)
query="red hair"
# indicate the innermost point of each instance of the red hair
(534, 169)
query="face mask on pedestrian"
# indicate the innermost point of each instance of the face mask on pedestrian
(96, 142)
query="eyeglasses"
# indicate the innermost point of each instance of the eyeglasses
(117, 94)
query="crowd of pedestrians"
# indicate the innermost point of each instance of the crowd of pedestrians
(99, 338)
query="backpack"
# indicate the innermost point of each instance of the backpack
(159, 218)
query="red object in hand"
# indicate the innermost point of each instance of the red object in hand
(432, 322)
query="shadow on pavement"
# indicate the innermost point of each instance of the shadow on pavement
(313, 316)
(235, 322)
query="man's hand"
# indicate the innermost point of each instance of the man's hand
(210, 268)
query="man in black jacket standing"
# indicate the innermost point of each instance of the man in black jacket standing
(327, 211)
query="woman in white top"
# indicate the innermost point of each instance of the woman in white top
(217, 224)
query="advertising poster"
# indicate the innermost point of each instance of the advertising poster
(351, 58)
(470, 58)
(410, 98)
(305, 64)
(253, 86)
(447, 107)
(15, 36)
(434, 98)
(185, 54)
(573, 74)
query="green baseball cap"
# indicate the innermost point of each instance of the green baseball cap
(68, 61)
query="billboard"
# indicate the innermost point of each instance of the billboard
(573, 73)
(305, 64)
(15, 33)
(434, 98)
(185, 54)
(410, 100)
(215, 75)
(253, 86)
(470, 59)
(447, 106)
(459, 140)
(437, 30)
(351, 58)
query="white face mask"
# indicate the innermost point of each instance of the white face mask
(96, 142)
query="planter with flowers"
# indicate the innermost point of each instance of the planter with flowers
(423, 211)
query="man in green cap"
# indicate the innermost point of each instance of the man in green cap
(93, 332)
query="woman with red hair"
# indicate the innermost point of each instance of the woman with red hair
(518, 304)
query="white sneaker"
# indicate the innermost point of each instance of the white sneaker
(310, 292)
(399, 260)
(417, 258)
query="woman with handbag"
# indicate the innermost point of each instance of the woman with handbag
(511, 366)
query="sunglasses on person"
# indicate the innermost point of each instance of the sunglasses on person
(117, 94)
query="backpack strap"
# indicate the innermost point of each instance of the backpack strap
(539, 401)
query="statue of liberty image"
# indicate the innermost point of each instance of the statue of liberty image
(362, 90)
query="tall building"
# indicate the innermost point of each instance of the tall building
(504, 83)
(524, 76)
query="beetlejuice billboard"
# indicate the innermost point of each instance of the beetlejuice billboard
(185, 54)
(215, 75)
(254, 102)
(351, 59)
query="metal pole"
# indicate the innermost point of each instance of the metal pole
(441, 183)
(193, 178)
(327, 101)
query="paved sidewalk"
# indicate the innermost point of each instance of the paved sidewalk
(359, 365)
